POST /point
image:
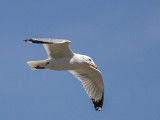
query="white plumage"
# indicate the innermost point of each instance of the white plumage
(60, 57)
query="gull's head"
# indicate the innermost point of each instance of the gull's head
(89, 61)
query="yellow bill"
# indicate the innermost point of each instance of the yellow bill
(95, 66)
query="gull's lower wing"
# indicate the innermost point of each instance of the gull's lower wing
(54, 47)
(92, 81)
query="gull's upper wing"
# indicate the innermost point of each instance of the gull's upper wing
(92, 81)
(54, 47)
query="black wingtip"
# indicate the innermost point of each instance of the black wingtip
(98, 104)
(36, 41)
(28, 40)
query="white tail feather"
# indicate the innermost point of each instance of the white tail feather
(34, 65)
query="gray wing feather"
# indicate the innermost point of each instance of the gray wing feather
(46, 40)
(54, 47)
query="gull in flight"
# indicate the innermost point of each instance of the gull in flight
(61, 57)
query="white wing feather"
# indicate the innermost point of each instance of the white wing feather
(91, 80)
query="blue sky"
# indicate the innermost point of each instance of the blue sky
(122, 37)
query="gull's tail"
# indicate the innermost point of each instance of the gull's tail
(34, 65)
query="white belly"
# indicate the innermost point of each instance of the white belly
(61, 64)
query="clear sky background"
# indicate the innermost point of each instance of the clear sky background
(122, 37)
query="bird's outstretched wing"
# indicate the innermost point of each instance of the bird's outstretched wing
(92, 81)
(54, 47)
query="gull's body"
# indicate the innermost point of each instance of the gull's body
(60, 57)
(67, 63)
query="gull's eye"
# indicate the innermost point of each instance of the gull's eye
(90, 60)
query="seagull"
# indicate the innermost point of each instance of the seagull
(61, 57)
